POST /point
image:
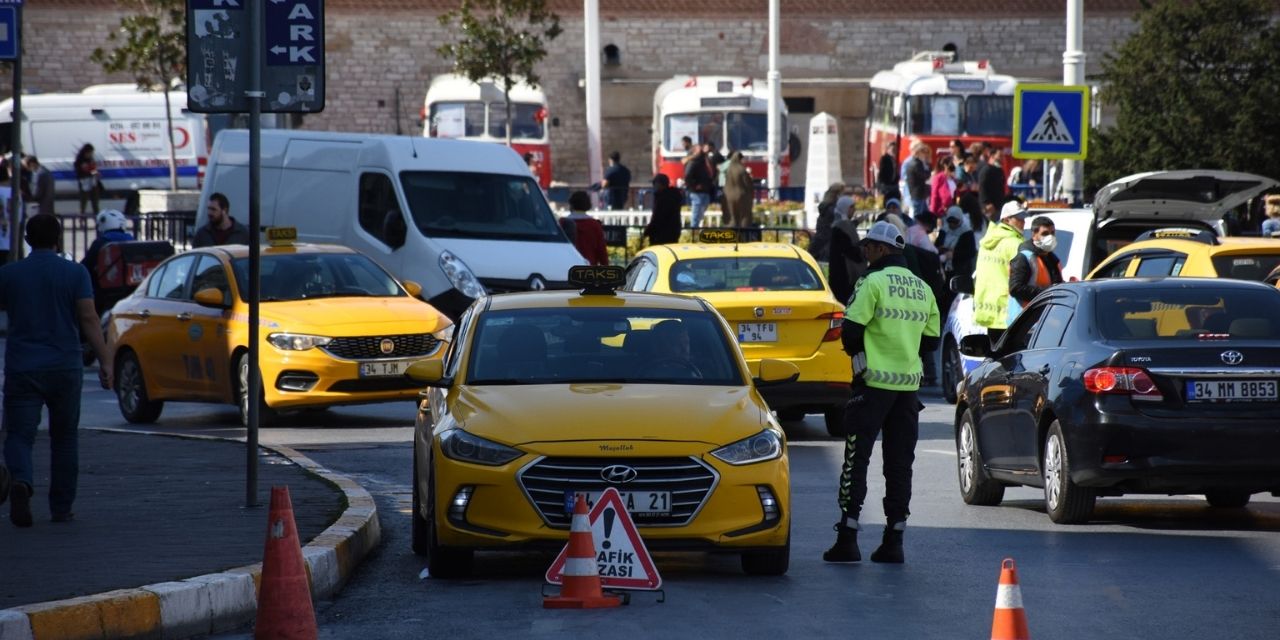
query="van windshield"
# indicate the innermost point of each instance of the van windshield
(456, 204)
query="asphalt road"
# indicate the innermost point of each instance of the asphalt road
(1146, 568)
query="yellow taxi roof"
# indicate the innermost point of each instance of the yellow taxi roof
(236, 251)
(694, 251)
(572, 298)
(1225, 245)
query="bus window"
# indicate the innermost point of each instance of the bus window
(457, 119)
(988, 115)
(934, 115)
(701, 127)
(526, 123)
(750, 132)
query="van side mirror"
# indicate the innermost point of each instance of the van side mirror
(394, 229)
(211, 297)
(962, 284)
(976, 346)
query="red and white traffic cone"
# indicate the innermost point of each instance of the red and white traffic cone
(581, 588)
(1009, 621)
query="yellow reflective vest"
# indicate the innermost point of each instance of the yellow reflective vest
(896, 308)
(991, 279)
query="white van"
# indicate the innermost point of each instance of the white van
(461, 218)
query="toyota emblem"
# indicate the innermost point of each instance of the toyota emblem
(618, 474)
(387, 345)
(1232, 357)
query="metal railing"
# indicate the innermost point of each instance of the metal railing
(626, 240)
(174, 227)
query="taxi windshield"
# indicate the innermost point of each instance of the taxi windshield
(301, 276)
(746, 273)
(601, 345)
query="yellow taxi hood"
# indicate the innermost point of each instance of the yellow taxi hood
(524, 414)
(355, 316)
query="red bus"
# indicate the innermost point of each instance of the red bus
(456, 107)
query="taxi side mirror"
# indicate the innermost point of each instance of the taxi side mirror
(413, 288)
(211, 298)
(428, 372)
(776, 372)
(976, 346)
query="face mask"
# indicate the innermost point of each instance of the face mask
(1047, 243)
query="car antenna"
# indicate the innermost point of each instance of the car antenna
(413, 145)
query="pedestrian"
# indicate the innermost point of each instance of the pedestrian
(991, 183)
(942, 186)
(616, 183)
(847, 264)
(916, 174)
(588, 233)
(112, 227)
(714, 159)
(88, 182)
(664, 222)
(698, 183)
(819, 245)
(739, 193)
(892, 320)
(958, 154)
(887, 175)
(40, 187)
(993, 308)
(958, 252)
(967, 176)
(49, 300)
(1271, 225)
(535, 169)
(1035, 267)
(221, 227)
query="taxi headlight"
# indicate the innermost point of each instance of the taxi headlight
(765, 445)
(460, 445)
(460, 275)
(297, 341)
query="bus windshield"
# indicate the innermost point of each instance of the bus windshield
(960, 115)
(527, 121)
(701, 127)
(988, 115)
(458, 204)
(735, 131)
(457, 119)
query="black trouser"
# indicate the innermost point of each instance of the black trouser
(871, 411)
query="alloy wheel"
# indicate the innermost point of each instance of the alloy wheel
(1053, 472)
(968, 467)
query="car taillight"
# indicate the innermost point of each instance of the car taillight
(1128, 381)
(833, 329)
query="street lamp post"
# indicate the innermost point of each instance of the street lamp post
(1073, 74)
(775, 102)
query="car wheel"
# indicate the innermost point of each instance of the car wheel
(266, 415)
(131, 391)
(770, 562)
(1227, 498)
(834, 418)
(1066, 502)
(975, 487)
(790, 415)
(442, 562)
(952, 370)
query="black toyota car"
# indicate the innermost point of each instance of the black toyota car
(1110, 387)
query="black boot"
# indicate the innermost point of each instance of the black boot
(846, 547)
(890, 549)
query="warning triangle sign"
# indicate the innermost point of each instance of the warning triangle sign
(623, 560)
(1050, 129)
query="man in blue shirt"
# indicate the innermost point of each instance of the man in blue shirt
(617, 182)
(50, 304)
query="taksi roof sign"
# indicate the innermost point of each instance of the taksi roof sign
(1050, 121)
(623, 560)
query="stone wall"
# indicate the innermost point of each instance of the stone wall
(381, 56)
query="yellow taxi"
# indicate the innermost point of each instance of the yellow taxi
(336, 328)
(777, 301)
(547, 396)
(1192, 253)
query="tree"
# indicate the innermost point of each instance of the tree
(500, 39)
(151, 45)
(1195, 87)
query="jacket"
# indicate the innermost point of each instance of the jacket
(664, 224)
(887, 177)
(1023, 269)
(697, 177)
(892, 318)
(991, 280)
(941, 195)
(847, 264)
(917, 176)
(206, 236)
(991, 187)
(739, 192)
(589, 239)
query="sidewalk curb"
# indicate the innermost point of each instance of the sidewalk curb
(210, 603)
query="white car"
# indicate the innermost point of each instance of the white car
(1121, 212)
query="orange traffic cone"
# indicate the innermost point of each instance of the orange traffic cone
(581, 588)
(1010, 621)
(284, 597)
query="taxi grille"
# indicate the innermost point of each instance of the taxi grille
(689, 480)
(370, 347)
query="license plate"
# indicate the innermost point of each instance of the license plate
(638, 503)
(1230, 390)
(757, 332)
(384, 369)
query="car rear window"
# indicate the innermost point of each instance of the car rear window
(744, 274)
(1154, 313)
(1247, 267)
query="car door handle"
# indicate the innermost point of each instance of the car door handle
(184, 316)
(1044, 371)
(145, 314)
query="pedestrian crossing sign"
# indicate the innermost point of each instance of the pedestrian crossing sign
(1050, 121)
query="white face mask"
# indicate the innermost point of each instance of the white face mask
(1047, 243)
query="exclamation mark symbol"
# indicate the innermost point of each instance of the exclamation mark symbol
(609, 515)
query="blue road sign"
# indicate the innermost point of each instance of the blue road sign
(294, 33)
(1050, 121)
(8, 33)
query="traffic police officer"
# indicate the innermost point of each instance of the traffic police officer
(892, 319)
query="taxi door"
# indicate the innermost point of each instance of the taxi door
(207, 352)
(161, 332)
